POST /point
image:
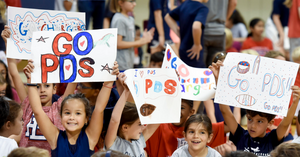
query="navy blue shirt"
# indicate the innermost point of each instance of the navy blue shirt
(280, 9)
(163, 6)
(187, 13)
(259, 146)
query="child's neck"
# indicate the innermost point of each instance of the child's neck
(49, 103)
(198, 153)
(5, 133)
(125, 13)
(257, 37)
(125, 137)
(73, 136)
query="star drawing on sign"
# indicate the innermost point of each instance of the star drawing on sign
(106, 67)
(42, 39)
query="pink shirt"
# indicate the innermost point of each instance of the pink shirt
(31, 134)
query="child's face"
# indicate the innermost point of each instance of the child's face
(3, 70)
(73, 115)
(135, 130)
(46, 91)
(186, 111)
(18, 124)
(3, 89)
(258, 28)
(197, 136)
(257, 126)
(128, 5)
(155, 64)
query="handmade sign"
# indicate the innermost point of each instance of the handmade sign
(256, 83)
(23, 22)
(156, 94)
(62, 57)
(196, 83)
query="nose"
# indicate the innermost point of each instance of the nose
(196, 135)
(42, 89)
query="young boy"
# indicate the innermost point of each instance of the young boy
(192, 17)
(168, 137)
(255, 139)
(156, 60)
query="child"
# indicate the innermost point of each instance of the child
(256, 140)
(126, 43)
(168, 137)
(80, 137)
(237, 26)
(156, 60)
(125, 132)
(197, 133)
(286, 150)
(229, 41)
(29, 152)
(192, 17)
(10, 124)
(255, 40)
(31, 134)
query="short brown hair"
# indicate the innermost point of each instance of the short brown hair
(286, 150)
(129, 115)
(114, 6)
(266, 115)
(14, 109)
(201, 119)
(113, 153)
(29, 152)
(274, 54)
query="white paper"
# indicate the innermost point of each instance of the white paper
(256, 83)
(91, 58)
(159, 89)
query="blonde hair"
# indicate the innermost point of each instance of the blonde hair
(229, 38)
(296, 54)
(274, 54)
(29, 152)
(288, 3)
(286, 150)
(3, 10)
(250, 51)
(114, 6)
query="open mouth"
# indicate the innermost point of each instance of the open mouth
(196, 142)
(72, 124)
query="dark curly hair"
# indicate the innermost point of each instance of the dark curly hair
(266, 115)
(81, 98)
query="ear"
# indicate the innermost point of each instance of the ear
(183, 133)
(271, 123)
(192, 111)
(120, 2)
(7, 125)
(125, 127)
(54, 89)
(96, 92)
(210, 137)
(86, 120)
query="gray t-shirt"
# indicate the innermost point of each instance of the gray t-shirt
(133, 149)
(239, 31)
(184, 152)
(215, 21)
(125, 26)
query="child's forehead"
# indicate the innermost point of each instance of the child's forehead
(256, 117)
(197, 126)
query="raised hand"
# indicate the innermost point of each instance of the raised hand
(215, 68)
(28, 70)
(115, 69)
(5, 33)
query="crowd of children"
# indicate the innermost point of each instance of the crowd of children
(100, 119)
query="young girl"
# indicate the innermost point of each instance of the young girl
(126, 43)
(255, 40)
(10, 124)
(31, 134)
(197, 133)
(80, 137)
(125, 132)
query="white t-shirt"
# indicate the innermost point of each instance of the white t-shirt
(184, 152)
(6, 146)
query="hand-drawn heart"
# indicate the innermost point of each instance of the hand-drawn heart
(141, 73)
(82, 43)
(168, 55)
(207, 72)
(68, 67)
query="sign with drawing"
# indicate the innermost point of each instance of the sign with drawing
(256, 83)
(61, 57)
(195, 83)
(23, 22)
(156, 94)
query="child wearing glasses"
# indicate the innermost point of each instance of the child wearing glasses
(126, 30)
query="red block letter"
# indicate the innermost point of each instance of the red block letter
(45, 68)
(148, 84)
(170, 87)
(68, 47)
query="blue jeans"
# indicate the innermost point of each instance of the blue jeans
(95, 9)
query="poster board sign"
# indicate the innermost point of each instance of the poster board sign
(256, 83)
(63, 57)
(23, 22)
(156, 94)
(196, 83)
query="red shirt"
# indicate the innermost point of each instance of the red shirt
(232, 49)
(262, 47)
(167, 138)
(13, 3)
(294, 21)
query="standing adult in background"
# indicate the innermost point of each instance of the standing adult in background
(95, 9)
(294, 24)
(277, 27)
(66, 5)
(214, 35)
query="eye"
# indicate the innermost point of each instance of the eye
(47, 85)
(38, 86)
(191, 132)
(202, 132)
(78, 113)
(260, 121)
(67, 112)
